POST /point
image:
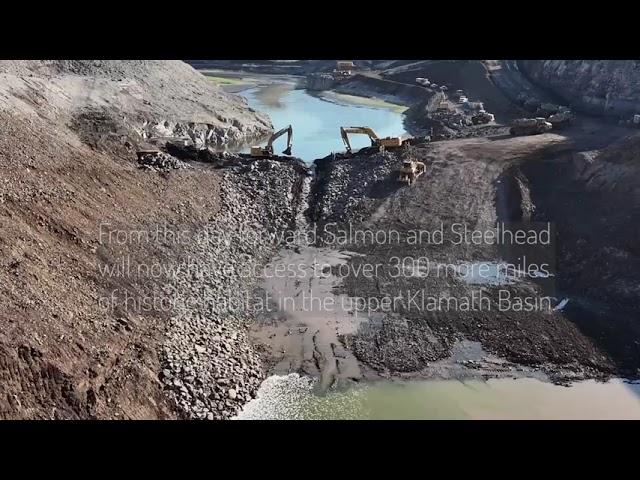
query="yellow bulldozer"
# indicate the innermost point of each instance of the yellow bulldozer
(410, 171)
(261, 152)
(381, 143)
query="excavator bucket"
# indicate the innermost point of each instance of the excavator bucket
(287, 151)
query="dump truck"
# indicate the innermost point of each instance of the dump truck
(410, 171)
(530, 126)
(381, 143)
(343, 70)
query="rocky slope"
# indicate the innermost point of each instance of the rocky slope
(78, 341)
(103, 100)
(210, 367)
(596, 86)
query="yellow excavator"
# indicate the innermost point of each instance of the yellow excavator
(381, 143)
(260, 152)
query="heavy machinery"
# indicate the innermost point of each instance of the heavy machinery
(381, 143)
(260, 152)
(482, 117)
(561, 119)
(410, 171)
(343, 70)
(530, 126)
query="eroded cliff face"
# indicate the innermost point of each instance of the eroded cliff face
(611, 87)
(112, 98)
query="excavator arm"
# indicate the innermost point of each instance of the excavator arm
(289, 131)
(345, 131)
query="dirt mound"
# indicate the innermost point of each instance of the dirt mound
(69, 177)
(609, 87)
(129, 95)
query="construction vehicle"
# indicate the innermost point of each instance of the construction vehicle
(345, 66)
(443, 106)
(410, 171)
(381, 143)
(343, 70)
(561, 119)
(482, 117)
(530, 126)
(261, 152)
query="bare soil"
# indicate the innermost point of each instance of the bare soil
(471, 182)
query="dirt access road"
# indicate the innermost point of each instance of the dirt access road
(467, 182)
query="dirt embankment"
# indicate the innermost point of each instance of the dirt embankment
(471, 76)
(105, 101)
(89, 240)
(478, 182)
(603, 87)
(593, 199)
(388, 90)
(425, 115)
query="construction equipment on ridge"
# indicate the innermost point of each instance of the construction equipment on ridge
(382, 143)
(268, 150)
(410, 171)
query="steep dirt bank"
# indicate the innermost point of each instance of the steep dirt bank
(609, 87)
(83, 339)
(594, 198)
(471, 76)
(388, 90)
(105, 101)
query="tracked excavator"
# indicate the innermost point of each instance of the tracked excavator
(260, 152)
(381, 143)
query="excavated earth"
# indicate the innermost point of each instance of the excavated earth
(582, 180)
(118, 274)
(100, 254)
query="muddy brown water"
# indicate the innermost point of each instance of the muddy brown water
(315, 377)
(293, 397)
(304, 333)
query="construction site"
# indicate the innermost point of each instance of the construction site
(482, 232)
